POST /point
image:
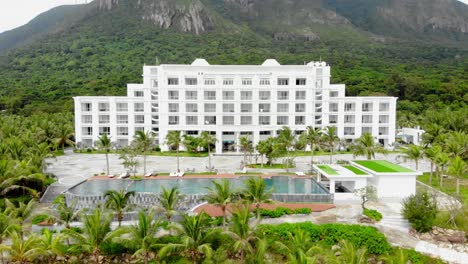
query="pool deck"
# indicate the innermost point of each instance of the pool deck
(200, 176)
(215, 211)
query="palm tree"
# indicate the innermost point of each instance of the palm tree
(195, 233)
(441, 161)
(66, 213)
(51, 245)
(7, 226)
(415, 153)
(21, 212)
(431, 154)
(104, 143)
(351, 255)
(313, 137)
(62, 135)
(22, 251)
(299, 247)
(118, 201)
(286, 138)
(144, 141)
(255, 192)
(96, 231)
(458, 169)
(457, 144)
(366, 146)
(262, 148)
(168, 200)
(221, 195)
(330, 138)
(173, 140)
(246, 147)
(206, 140)
(432, 134)
(22, 184)
(142, 234)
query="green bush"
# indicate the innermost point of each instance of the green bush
(303, 211)
(374, 214)
(359, 236)
(280, 211)
(41, 218)
(421, 211)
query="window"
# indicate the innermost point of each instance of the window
(210, 81)
(173, 120)
(210, 120)
(155, 120)
(300, 108)
(264, 95)
(228, 81)
(300, 81)
(246, 120)
(155, 83)
(282, 120)
(228, 95)
(349, 118)
(300, 120)
(86, 119)
(154, 95)
(283, 95)
(173, 95)
(318, 84)
(122, 131)
(246, 108)
(300, 95)
(349, 107)
(319, 72)
(333, 94)
(210, 108)
(366, 119)
(383, 131)
(333, 107)
(228, 108)
(367, 107)
(87, 131)
(139, 119)
(282, 108)
(265, 133)
(228, 133)
(246, 95)
(263, 120)
(191, 120)
(367, 130)
(264, 108)
(191, 108)
(138, 107)
(104, 130)
(318, 119)
(228, 120)
(349, 131)
(283, 81)
(122, 142)
(122, 119)
(384, 107)
(86, 107)
(173, 81)
(139, 129)
(138, 93)
(264, 81)
(246, 81)
(122, 107)
(104, 119)
(103, 107)
(318, 108)
(210, 95)
(190, 81)
(192, 132)
(173, 108)
(383, 119)
(333, 119)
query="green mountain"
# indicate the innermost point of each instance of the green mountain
(375, 47)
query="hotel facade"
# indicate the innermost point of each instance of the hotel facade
(232, 101)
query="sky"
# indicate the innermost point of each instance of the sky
(15, 13)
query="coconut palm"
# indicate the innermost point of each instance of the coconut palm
(30, 184)
(351, 255)
(206, 140)
(441, 161)
(168, 201)
(431, 154)
(51, 245)
(7, 226)
(458, 169)
(142, 235)
(286, 139)
(21, 212)
(174, 140)
(365, 145)
(313, 137)
(66, 213)
(144, 141)
(456, 144)
(330, 138)
(246, 146)
(104, 143)
(221, 194)
(255, 192)
(432, 134)
(195, 233)
(96, 231)
(118, 201)
(262, 149)
(415, 153)
(298, 247)
(22, 251)
(63, 134)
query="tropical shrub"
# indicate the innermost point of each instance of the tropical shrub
(421, 211)
(280, 211)
(303, 211)
(374, 214)
(40, 218)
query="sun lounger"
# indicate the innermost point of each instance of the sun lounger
(173, 174)
(300, 173)
(149, 174)
(111, 176)
(181, 174)
(124, 175)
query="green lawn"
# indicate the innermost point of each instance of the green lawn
(382, 166)
(355, 170)
(328, 169)
(265, 166)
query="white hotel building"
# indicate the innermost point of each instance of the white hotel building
(231, 101)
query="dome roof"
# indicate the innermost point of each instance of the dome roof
(200, 62)
(271, 62)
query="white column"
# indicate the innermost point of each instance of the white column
(219, 142)
(332, 186)
(237, 142)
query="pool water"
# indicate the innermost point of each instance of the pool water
(280, 185)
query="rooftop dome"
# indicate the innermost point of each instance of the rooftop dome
(200, 62)
(271, 62)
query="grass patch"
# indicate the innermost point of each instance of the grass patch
(374, 214)
(272, 166)
(248, 173)
(317, 153)
(355, 170)
(201, 173)
(327, 169)
(382, 166)
(449, 186)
